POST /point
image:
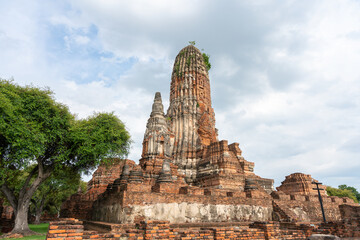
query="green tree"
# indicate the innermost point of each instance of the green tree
(35, 130)
(340, 193)
(352, 189)
(53, 192)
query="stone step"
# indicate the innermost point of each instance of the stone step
(104, 227)
(97, 227)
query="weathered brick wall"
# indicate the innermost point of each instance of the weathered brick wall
(341, 229)
(6, 211)
(307, 211)
(69, 229)
(73, 229)
(306, 208)
(350, 212)
(350, 224)
(6, 217)
(78, 205)
(139, 201)
(342, 214)
(272, 230)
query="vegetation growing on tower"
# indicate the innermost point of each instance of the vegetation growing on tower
(206, 58)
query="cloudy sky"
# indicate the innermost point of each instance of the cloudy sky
(285, 76)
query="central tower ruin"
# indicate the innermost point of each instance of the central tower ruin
(191, 117)
(186, 136)
(189, 125)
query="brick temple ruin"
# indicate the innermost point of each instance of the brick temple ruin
(190, 185)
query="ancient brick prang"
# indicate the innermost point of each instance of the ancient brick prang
(156, 142)
(192, 119)
(186, 136)
(300, 183)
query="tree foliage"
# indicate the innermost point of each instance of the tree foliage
(352, 189)
(41, 135)
(342, 192)
(54, 191)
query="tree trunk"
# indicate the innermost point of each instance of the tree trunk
(57, 212)
(21, 205)
(25, 195)
(21, 218)
(37, 217)
(38, 211)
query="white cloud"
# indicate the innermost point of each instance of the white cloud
(82, 40)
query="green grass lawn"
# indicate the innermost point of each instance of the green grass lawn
(40, 228)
